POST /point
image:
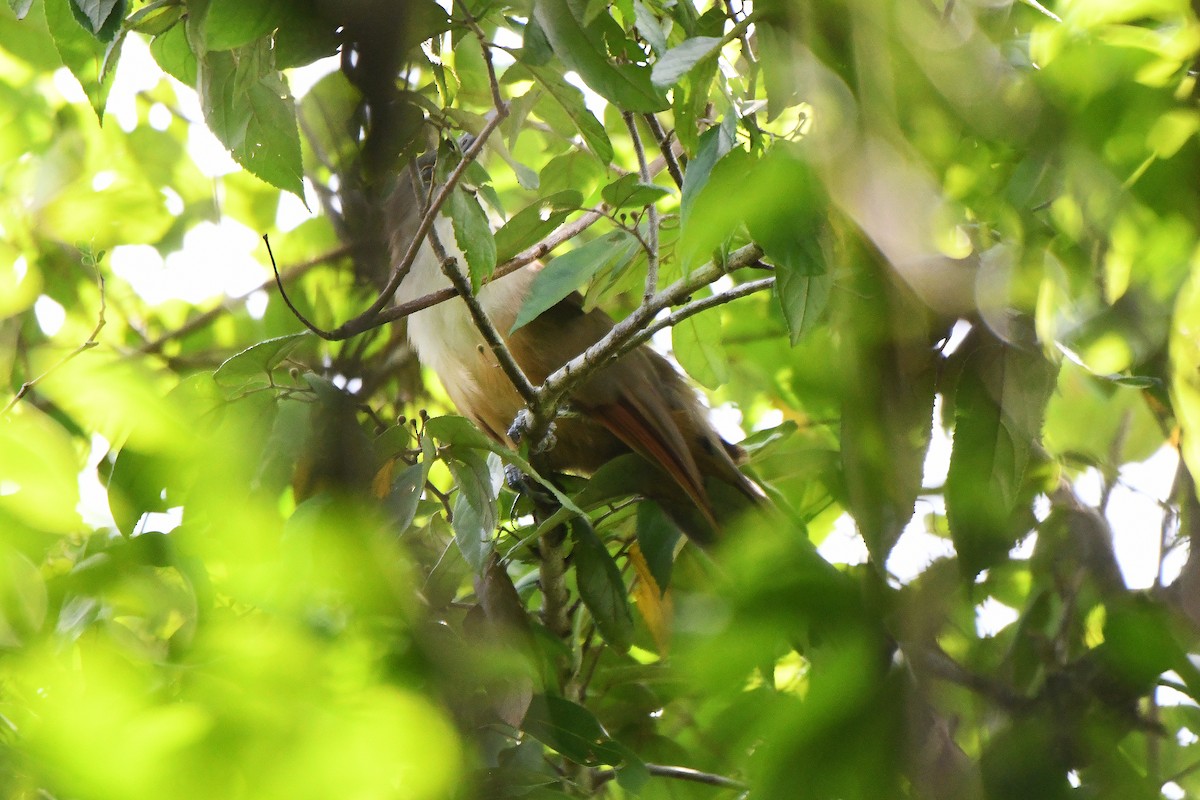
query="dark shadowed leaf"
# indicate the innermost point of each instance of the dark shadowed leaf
(570, 729)
(601, 587)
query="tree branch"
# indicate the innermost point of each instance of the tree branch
(693, 308)
(482, 322)
(651, 210)
(579, 369)
(371, 316)
(664, 146)
(232, 304)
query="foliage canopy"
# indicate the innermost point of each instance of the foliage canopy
(241, 560)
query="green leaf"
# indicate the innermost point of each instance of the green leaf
(97, 16)
(404, 495)
(627, 86)
(1185, 378)
(600, 586)
(648, 26)
(803, 298)
(571, 100)
(236, 23)
(475, 512)
(679, 60)
(23, 598)
(629, 192)
(40, 472)
(571, 730)
(657, 537)
(252, 367)
(473, 233)
(532, 223)
(714, 144)
(999, 405)
(697, 344)
(85, 55)
(20, 7)
(571, 270)
(249, 108)
(172, 52)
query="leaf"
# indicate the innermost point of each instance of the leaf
(249, 108)
(23, 598)
(85, 55)
(657, 539)
(532, 223)
(649, 27)
(96, 15)
(698, 347)
(629, 192)
(652, 602)
(627, 86)
(571, 100)
(714, 144)
(679, 60)
(802, 297)
(170, 49)
(1184, 351)
(571, 270)
(571, 730)
(600, 586)
(475, 512)
(252, 367)
(887, 380)
(231, 24)
(473, 234)
(999, 404)
(404, 494)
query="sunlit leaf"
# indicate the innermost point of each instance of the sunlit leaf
(679, 60)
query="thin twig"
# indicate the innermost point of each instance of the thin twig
(651, 210)
(679, 774)
(88, 344)
(583, 366)
(371, 317)
(560, 235)
(693, 308)
(665, 147)
(232, 304)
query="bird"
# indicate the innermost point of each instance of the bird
(639, 403)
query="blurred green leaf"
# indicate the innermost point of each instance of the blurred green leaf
(251, 368)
